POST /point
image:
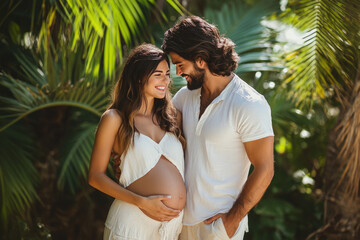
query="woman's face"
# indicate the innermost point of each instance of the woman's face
(158, 81)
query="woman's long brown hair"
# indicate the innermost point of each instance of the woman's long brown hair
(128, 95)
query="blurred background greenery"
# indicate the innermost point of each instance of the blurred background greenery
(60, 58)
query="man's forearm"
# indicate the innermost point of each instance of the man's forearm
(253, 190)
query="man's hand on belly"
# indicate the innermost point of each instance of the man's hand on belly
(230, 224)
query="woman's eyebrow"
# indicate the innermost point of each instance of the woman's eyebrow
(161, 71)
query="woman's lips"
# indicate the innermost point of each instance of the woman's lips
(161, 88)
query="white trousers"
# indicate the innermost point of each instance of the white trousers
(126, 221)
(213, 231)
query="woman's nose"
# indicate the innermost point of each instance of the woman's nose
(166, 78)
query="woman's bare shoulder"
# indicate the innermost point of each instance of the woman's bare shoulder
(112, 117)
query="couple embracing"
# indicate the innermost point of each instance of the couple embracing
(184, 161)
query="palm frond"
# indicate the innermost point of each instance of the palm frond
(18, 176)
(331, 41)
(31, 69)
(108, 25)
(28, 99)
(75, 156)
(51, 79)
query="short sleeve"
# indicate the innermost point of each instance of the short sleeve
(254, 121)
(179, 98)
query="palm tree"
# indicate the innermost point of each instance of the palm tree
(326, 70)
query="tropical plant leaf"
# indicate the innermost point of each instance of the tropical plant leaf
(53, 80)
(108, 25)
(18, 176)
(28, 99)
(75, 156)
(316, 69)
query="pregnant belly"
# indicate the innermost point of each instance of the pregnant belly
(163, 179)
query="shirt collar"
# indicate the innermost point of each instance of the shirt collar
(225, 92)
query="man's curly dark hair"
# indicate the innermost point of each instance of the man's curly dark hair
(194, 38)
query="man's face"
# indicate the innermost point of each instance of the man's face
(188, 70)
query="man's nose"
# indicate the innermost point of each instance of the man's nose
(178, 71)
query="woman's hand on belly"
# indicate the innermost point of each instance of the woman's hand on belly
(154, 207)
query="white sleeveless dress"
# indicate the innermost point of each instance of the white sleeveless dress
(126, 221)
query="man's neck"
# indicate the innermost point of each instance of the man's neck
(215, 84)
(212, 87)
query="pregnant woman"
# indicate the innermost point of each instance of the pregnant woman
(142, 127)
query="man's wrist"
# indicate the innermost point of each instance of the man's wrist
(236, 216)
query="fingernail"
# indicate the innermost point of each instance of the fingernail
(169, 196)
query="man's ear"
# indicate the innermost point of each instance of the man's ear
(200, 63)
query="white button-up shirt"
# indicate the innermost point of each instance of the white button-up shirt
(216, 163)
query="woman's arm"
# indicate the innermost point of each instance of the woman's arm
(104, 141)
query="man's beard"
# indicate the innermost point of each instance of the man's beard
(197, 78)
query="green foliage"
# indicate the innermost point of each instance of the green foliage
(276, 214)
(284, 212)
(54, 84)
(75, 155)
(108, 25)
(320, 68)
(18, 176)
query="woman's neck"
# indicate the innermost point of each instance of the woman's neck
(146, 107)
